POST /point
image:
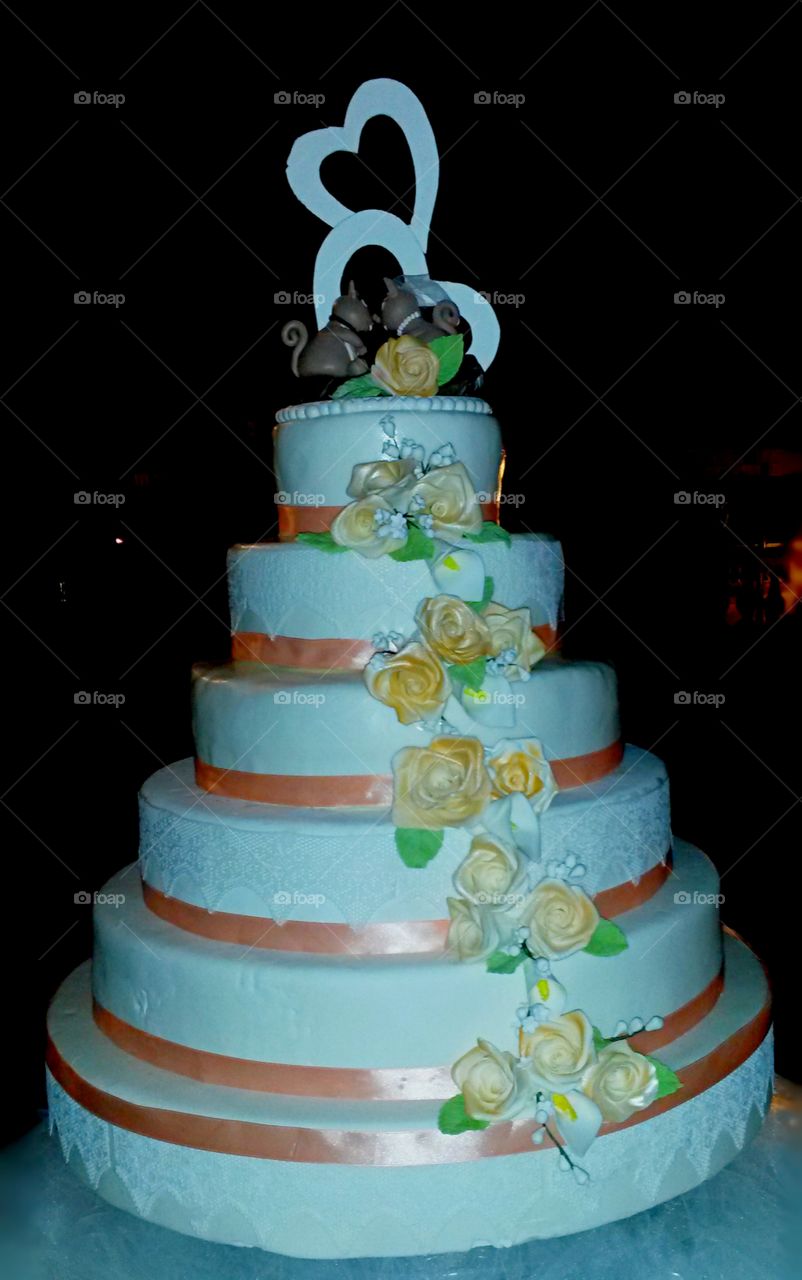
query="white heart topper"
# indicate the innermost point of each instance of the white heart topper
(406, 241)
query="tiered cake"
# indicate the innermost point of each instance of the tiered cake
(413, 963)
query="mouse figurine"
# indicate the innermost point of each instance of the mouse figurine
(400, 314)
(337, 349)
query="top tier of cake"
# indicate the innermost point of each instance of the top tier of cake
(317, 446)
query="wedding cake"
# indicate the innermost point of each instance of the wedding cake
(411, 961)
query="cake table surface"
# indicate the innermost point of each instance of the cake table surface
(739, 1223)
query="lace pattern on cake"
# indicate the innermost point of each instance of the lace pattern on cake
(617, 838)
(637, 1164)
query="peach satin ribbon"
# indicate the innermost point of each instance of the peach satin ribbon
(360, 1084)
(390, 938)
(295, 520)
(330, 791)
(374, 1147)
(324, 654)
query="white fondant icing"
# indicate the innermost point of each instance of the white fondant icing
(232, 855)
(353, 1211)
(385, 1011)
(282, 721)
(317, 446)
(289, 589)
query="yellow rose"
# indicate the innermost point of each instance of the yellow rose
(356, 528)
(448, 496)
(492, 1083)
(512, 629)
(475, 932)
(392, 479)
(559, 1051)
(413, 682)
(405, 366)
(452, 629)
(520, 766)
(621, 1082)
(442, 785)
(560, 917)
(491, 874)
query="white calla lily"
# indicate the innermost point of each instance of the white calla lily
(578, 1119)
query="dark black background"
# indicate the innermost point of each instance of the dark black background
(597, 199)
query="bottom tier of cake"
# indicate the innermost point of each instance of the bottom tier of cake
(327, 1179)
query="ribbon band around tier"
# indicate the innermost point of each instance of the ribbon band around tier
(385, 938)
(396, 1147)
(330, 791)
(355, 1084)
(325, 653)
(293, 520)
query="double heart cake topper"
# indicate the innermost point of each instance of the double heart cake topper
(352, 230)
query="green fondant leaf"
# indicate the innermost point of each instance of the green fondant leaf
(487, 596)
(667, 1080)
(490, 532)
(418, 546)
(599, 1041)
(453, 1117)
(356, 387)
(500, 962)
(468, 675)
(607, 940)
(449, 351)
(417, 846)
(323, 542)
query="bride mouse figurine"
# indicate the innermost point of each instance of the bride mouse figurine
(337, 350)
(401, 315)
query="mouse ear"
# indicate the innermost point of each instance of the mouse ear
(391, 289)
(352, 293)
